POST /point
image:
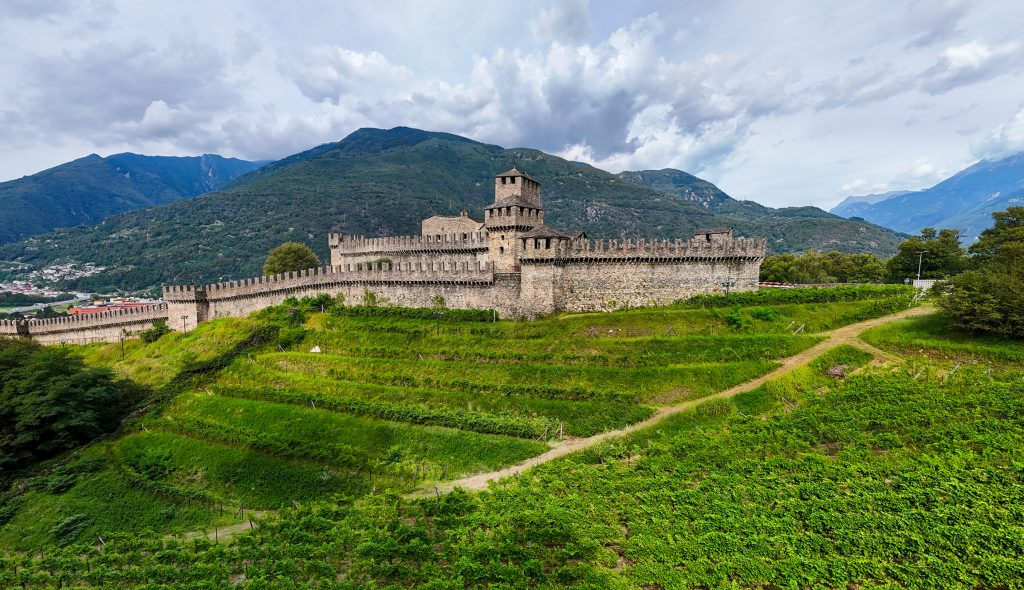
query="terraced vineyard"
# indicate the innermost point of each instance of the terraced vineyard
(248, 418)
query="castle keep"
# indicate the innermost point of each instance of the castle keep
(511, 261)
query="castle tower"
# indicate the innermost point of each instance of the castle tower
(516, 210)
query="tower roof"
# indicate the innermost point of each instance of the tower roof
(515, 172)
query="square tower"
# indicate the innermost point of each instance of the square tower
(516, 210)
(516, 185)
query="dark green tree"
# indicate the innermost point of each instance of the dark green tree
(990, 298)
(944, 257)
(50, 402)
(289, 257)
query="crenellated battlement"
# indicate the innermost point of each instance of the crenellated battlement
(108, 326)
(550, 249)
(362, 245)
(106, 318)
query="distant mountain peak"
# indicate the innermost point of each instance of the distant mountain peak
(964, 201)
(90, 188)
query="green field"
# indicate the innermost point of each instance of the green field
(242, 423)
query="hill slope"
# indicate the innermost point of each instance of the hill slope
(964, 201)
(383, 182)
(86, 190)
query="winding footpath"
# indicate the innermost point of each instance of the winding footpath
(844, 335)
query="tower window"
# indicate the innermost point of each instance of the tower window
(503, 179)
(513, 179)
(501, 250)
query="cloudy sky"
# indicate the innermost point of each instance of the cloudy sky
(785, 103)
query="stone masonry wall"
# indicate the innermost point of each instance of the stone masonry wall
(100, 327)
(603, 285)
(475, 288)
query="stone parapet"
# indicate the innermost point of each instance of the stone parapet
(361, 245)
(541, 250)
(107, 326)
(327, 275)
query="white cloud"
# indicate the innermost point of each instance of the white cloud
(332, 73)
(969, 63)
(159, 121)
(566, 21)
(1005, 140)
(937, 21)
(772, 103)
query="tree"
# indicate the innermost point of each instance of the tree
(50, 402)
(990, 298)
(290, 257)
(831, 267)
(944, 257)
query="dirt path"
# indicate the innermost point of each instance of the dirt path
(844, 335)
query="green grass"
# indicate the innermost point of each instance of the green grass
(306, 431)
(156, 363)
(875, 480)
(549, 381)
(393, 400)
(232, 473)
(931, 337)
(110, 502)
(578, 418)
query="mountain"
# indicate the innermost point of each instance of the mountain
(854, 205)
(787, 229)
(86, 190)
(964, 201)
(383, 182)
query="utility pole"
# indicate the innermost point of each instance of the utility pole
(920, 259)
(183, 318)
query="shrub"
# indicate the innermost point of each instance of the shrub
(735, 320)
(153, 334)
(766, 314)
(68, 530)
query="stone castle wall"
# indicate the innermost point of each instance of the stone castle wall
(429, 252)
(468, 288)
(101, 327)
(599, 275)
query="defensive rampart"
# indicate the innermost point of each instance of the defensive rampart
(460, 286)
(108, 326)
(598, 275)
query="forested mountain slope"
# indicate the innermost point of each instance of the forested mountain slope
(87, 190)
(383, 182)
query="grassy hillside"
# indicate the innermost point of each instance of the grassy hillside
(389, 404)
(380, 182)
(89, 189)
(879, 478)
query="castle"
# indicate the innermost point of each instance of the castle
(512, 262)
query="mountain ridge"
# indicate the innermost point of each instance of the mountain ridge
(964, 201)
(384, 182)
(88, 189)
